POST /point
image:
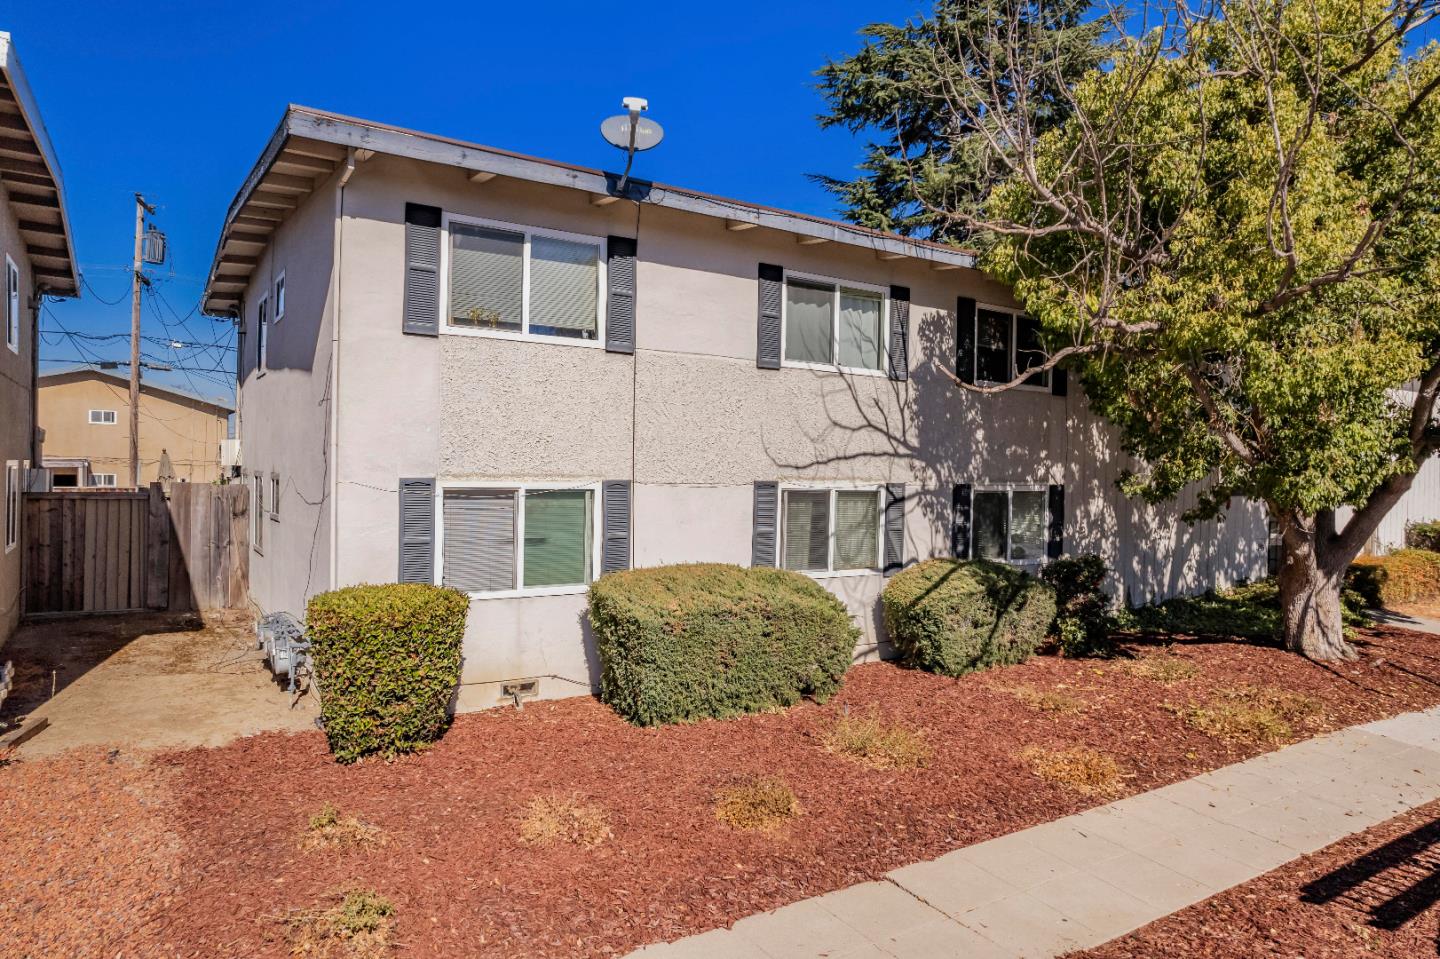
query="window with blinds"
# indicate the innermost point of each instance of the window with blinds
(513, 280)
(830, 530)
(1009, 524)
(829, 324)
(503, 540)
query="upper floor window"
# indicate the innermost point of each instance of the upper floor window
(831, 324)
(830, 530)
(517, 539)
(262, 333)
(1009, 524)
(280, 298)
(12, 306)
(520, 281)
(12, 504)
(102, 417)
(1006, 345)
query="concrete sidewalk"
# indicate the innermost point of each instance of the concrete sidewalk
(1088, 878)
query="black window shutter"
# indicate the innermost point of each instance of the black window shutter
(615, 522)
(422, 270)
(1059, 381)
(965, 339)
(1055, 534)
(620, 295)
(960, 522)
(417, 530)
(894, 527)
(767, 521)
(899, 332)
(772, 292)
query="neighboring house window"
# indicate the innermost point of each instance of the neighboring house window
(280, 298)
(12, 306)
(102, 479)
(830, 530)
(1274, 547)
(519, 281)
(1009, 524)
(102, 417)
(832, 324)
(262, 333)
(12, 504)
(275, 496)
(517, 539)
(258, 482)
(1006, 345)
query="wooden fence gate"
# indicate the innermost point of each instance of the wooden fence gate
(181, 548)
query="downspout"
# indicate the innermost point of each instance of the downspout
(334, 452)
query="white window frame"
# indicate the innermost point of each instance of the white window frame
(257, 487)
(113, 415)
(13, 519)
(529, 232)
(835, 488)
(839, 284)
(12, 305)
(1009, 489)
(262, 332)
(98, 480)
(596, 535)
(279, 299)
(275, 497)
(1015, 317)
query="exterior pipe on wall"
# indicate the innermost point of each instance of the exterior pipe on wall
(334, 452)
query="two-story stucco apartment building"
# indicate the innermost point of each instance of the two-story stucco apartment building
(38, 261)
(470, 367)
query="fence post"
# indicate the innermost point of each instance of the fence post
(157, 550)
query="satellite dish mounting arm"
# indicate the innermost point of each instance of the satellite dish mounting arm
(634, 105)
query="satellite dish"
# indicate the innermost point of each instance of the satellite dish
(617, 132)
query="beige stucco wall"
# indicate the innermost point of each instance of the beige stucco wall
(17, 377)
(191, 433)
(693, 422)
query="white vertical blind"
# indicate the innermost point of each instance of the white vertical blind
(479, 550)
(487, 269)
(809, 333)
(989, 521)
(1027, 525)
(807, 529)
(564, 287)
(860, 329)
(857, 520)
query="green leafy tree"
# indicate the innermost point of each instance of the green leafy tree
(926, 158)
(1234, 238)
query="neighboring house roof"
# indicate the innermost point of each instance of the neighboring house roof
(309, 145)
(32, 179)
(56, 377)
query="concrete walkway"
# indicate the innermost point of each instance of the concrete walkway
(1088, 878)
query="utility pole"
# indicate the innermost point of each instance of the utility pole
(141, 208)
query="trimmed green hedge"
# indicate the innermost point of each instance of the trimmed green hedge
(692, 641)
(952, 616)
(387, 660)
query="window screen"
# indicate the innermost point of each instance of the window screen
(860, 327)
(857, 522)
(989, 519)
(992, 346)
(479, 549)
(564, 288)
(809, 335)
(807, 530)
(1028, 351)
(1027, 521)
(486, 277)
(558, 537)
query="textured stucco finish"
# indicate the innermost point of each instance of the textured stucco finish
(17, 424)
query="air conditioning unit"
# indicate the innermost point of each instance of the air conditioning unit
(282, 638)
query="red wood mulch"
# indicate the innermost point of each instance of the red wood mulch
(1373, 894)
(463, 884)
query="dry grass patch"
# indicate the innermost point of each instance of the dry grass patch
(1253, 714)
(328, 829)
(1048, 700)
(879, 745)
(357, 927)
(1164, 668)
(758, 804)
(1078, 768)
(571, 819)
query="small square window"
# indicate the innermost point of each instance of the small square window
(102, 479)
(103, 417)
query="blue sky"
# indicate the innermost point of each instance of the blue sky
(177, 100)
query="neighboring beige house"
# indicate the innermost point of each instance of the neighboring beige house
(37, 260)
(465, 366)
(85, 414)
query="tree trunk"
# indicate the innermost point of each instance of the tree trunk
(1310, 584)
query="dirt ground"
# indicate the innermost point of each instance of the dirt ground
(144, 681)
(204, 852)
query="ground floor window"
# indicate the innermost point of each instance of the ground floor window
(497, 540)
(101, 479)
(1009, 524)
(12, 504)
(830, 530)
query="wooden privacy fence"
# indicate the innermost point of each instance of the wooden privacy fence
(184, 547)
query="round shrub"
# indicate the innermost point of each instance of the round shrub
(951, 616)
(686, 642)
(387, 660)
(1082, 618)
